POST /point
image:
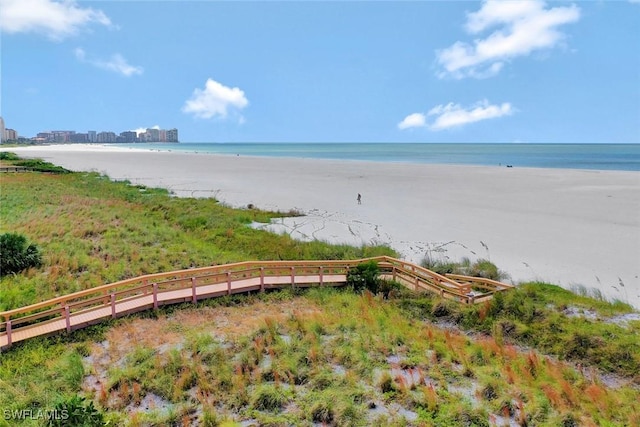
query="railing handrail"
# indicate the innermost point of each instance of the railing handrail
(474, 279)
(190, 272)
(426, 279)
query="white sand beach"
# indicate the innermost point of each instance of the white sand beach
(569, 227)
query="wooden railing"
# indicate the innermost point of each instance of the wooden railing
(90, 306)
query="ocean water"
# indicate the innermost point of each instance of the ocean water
(567, 156)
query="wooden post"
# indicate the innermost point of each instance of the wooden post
(228, 283)
(393, 272)
(67, 317)
(261, 279)
(144, 283)
(321, 275)
(416, 284)
(293, 277)
(155, 296)
(194, 295)
(113, 305)
(8, 332)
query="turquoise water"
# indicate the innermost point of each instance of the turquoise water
(569, 156)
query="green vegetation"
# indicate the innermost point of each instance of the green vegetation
(365, 277)
(76, 412)
(328, 356)
(41, 166)
(6, 155)
(322, 355)
(16, 255)
(481, 268)
(37, 165)
(535, 315)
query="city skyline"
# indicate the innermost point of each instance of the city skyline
(155, 134)
(92, 136)
(424, 71)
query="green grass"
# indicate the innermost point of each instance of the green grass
(337, 358)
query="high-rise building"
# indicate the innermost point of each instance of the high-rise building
(129, 136)
(92, 136)
(10, 135)
(2, 136)
(79, 137)
(45, 136)
(172, 135)
(153, 134)
(62, 135)
(106, 137)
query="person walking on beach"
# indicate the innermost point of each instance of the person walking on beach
(359, 199)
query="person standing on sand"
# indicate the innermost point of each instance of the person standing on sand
(359, 199)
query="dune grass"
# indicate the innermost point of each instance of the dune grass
(280, 358)
(317, 356)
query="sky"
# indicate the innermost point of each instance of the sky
(325, 71)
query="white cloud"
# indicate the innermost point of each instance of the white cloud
(520, 27)
(115, 63)
(56, 20)
(414, 120)
(453, 115)
(215, 100)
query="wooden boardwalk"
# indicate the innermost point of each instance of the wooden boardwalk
(84, 308)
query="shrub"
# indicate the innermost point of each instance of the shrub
(364, 276)
(42, 166)
(439, 266)
(486, 269)
(74, 412)
(5, 155)
(16, 255)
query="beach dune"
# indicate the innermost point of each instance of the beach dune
(568, 227)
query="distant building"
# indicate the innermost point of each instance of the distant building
(62, 135)
(44, 137)
(129, 136)
(10, 135)
(172, 135)
(2, 136)
(92, 135)
(154, 135)
(107, 137)
(79, 138)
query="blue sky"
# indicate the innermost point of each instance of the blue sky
(339, 71)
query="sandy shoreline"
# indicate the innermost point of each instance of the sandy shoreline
(570, 227)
